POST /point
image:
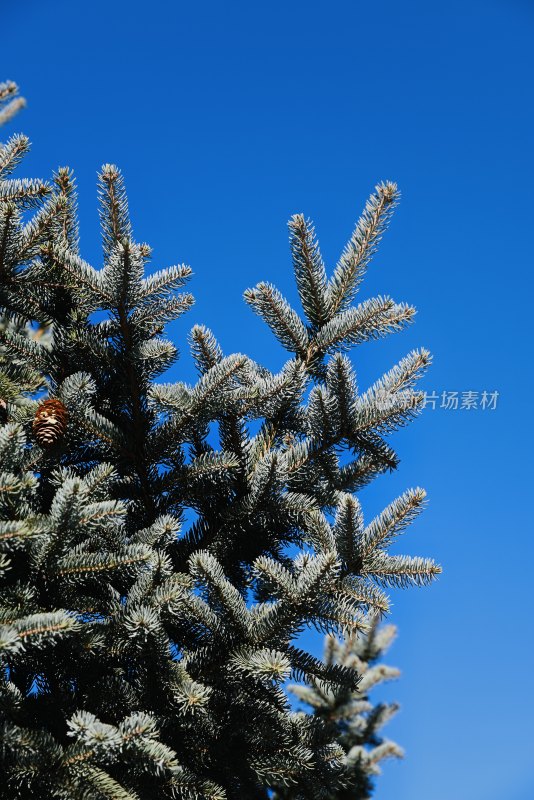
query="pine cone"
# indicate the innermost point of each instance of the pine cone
(3, 411)
(50, 423)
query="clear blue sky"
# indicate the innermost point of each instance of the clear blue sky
(227, 118)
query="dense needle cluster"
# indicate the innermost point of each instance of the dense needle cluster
(143, 656)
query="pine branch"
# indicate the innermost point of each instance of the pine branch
(285, 323)
(114, 217)
(204, 348)
(10, 102)
(309, 270)
(12, 153)
(161, 284)
(370, 320)
(67, 203)
(362, 246)
(394, 519)
(400, 571)
(25, 192)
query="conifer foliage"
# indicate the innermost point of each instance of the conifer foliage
(348, 715)
(164, 544)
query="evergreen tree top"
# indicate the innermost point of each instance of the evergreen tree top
(163, 545)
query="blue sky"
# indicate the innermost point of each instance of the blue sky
(226, 118)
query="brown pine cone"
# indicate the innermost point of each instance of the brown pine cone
(50, 423)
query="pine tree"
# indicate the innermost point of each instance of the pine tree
(163, 545)
(348, 714)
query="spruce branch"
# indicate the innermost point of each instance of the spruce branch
(362, 246)
(394, 519)
(11, 153)
(309, 270)
(370, 320)
(114, 217)
(285, 323)
(161, 284)
(26, 192)
(67, 219)
(10, 101)
(205, 349)
(400, 571)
